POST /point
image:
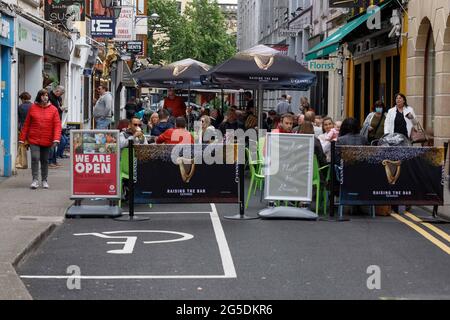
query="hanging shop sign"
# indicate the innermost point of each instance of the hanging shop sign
(391, 175)
(322, 65)
(124, 24)
(94, 158)
(103, 27)
(29, 36)
(135, 47)
(65, 12)
(57, 45)
(6, 31)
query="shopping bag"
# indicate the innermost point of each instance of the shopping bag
(21, 159)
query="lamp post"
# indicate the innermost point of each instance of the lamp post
(154, 17)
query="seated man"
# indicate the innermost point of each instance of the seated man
(163, 124)
(179, 135)
(286, 124)
(133, 132)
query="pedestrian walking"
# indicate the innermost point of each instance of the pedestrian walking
(23, 108)
(283, 106)
(42, 129)
(400, 118)
(55, 98)
(103, 108)
(373, 127)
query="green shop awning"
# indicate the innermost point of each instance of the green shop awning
(332, 43)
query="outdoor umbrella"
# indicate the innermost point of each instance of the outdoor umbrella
(261, 68)
(183, 74)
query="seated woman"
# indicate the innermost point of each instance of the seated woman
(350, 133)
(308, 128)
(329, 134)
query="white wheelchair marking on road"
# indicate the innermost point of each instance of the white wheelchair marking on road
(130, 242)
(225, 254)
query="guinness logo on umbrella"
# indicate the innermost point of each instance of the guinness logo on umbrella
(179, 70)
(392, 170)
(264, 62)
(187, 168)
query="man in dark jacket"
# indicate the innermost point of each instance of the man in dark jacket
(163, 124)
(55, 98)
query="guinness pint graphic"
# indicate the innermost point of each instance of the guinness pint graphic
(391, 175)
(164, 175)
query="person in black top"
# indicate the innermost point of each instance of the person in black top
(131, 108)
(55, 98)
(400, 124)
(248, 97)
(23, 108)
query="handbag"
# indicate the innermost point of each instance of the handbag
(22, 158)
(418, 134)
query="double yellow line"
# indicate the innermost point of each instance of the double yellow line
(423, 232)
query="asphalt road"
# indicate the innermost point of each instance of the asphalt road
(211, 258)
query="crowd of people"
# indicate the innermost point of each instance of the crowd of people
(398, 119)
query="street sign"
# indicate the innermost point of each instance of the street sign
(288, 33)
(322, 65)
(103, 27)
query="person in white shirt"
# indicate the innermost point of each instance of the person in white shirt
(134, 132)
(400, 118)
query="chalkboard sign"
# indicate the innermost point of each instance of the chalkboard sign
(289, 167)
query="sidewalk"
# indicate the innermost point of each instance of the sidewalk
(26, 218)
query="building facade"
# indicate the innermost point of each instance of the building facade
(428, 65)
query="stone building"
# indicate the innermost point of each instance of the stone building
(428, 65)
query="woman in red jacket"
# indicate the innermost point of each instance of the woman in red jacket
(42, 129)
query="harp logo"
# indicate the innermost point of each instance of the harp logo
(392, 169)
(187, 168)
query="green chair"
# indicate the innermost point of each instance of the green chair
(255, 178)
(320, 189)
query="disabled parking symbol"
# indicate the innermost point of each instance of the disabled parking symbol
(129, 242)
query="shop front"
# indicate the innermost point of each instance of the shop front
(30, 50)
(6, 110)
(56, 58)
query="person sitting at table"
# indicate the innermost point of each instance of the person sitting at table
(134, 132)
(177, 135)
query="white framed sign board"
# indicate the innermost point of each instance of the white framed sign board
(288, 167)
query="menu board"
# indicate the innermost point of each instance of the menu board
(288, 167)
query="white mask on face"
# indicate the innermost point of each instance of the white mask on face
(44, 99)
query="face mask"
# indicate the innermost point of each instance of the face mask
(44, 99)
(379, 110)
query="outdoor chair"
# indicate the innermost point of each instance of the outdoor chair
(321, 189)
(256, 178)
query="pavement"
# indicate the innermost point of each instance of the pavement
(29, 217)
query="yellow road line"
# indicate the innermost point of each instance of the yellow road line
(422, 232)
(429, 226)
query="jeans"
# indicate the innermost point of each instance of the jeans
(52, 155)
(102, 123)
(62, 145)
(39, 154)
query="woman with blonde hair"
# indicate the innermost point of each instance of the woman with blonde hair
(208, 130)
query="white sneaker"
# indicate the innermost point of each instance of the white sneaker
(45, 184)
(34, 184)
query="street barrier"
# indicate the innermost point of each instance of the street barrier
(393, 176)
(181, 174)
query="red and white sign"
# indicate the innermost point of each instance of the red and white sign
(95, 164)
(124, 24)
